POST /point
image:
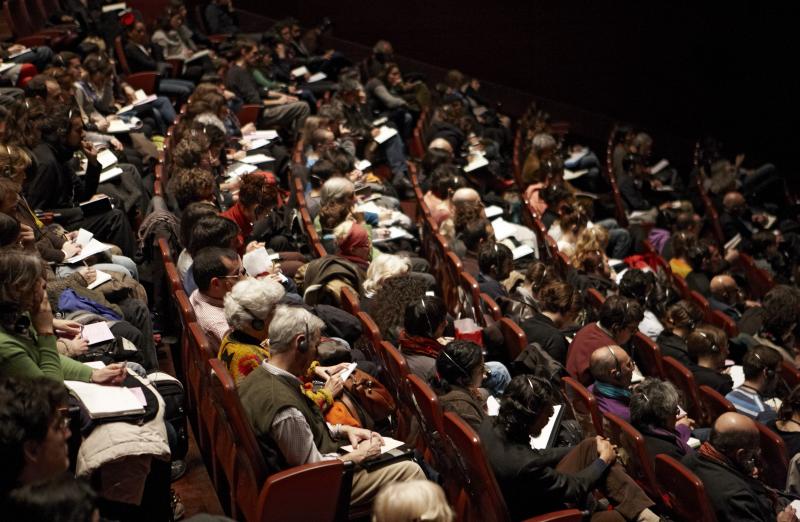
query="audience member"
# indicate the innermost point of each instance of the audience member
(655, 412)
(612, 370)
(708, 351)
(412, 501)
(761, 365)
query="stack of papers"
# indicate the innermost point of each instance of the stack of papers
(300, 71)
(97, 333)
(117, 126)
(503, 229)
(658, 167)
(255, 159)
(106, 158)
(105, 401)
(317, 77)
(240, 169)
(100, 278)
(6, 66)
(140, 100)
(394, 233)
(254, 144)
(476, 161)
(570, 175)
(197, 55)
(388, 445)
(521, 251)
(363, 165)
(108, 175)
(493, 211)
(120, 6)
(83, 237)
(91, 248)
(385, 133)
(258, 262)
(268, 135)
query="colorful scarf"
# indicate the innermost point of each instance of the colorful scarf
(357, 242)
(613, 392)
(418, 345)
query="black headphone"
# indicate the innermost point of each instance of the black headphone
(769, 372)
(460, 368)
(8, 170)
(10, 316)
(427, 317)
(617, 371)
(302, 346)
(714, 347)
(496, 259)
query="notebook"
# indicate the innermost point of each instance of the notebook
(105, 401)
(547, 437)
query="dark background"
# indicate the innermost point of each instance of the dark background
(680, 70)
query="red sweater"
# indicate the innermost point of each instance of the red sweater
(236, 215)
(587, 340)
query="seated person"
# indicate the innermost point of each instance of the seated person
(680, 320)
(727, 297)
(209, 231)
(708, 349)
(637, 188)
(62, 498)
(380, 269)
(592, 271)
(525, 293)
(215, 270)
(681, 242)
(460, 367)
(726, 465)
(737, 218)
(612, 370)
(258, 196)
(534, 481)
(787, 422)
(412, 500)
(558, 304)
(639, 285)
(654, 412)
(761, 365)
(495, 261)
(141, 57)
(190, 216)
(289, 427)
(619, 320)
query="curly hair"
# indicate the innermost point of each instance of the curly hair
(190, 150)
(539, 275)
(456, 363)
(191, 185)
(524, 400)
(332, 214)
(464, 213)
(257, 189)
(390, 302)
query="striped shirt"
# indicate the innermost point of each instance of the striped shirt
(747, 401)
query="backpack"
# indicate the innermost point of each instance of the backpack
(171, 390)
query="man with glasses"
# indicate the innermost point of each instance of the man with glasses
(215, 271)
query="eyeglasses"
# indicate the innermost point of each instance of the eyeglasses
(62, 418)
(238, 275)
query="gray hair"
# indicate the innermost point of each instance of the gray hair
(642, 139)
(336, 189)
(654, 402)
(289, 322)
(381, 268)
(543, 141)
(251, 299)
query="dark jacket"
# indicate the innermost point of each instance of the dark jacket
(674, 346)
(459, 400)
(540, 329)
(241, 82)
(634, 194)
(220, 20)
(528, 479)
(658, 442)
(721, 382)
(491, 287)
(139, 60)
(734, 497)
(732, 225)
(699, 282)
(55, 185)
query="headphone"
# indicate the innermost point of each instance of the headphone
(769, 372)
(617, 371)
(427, 317)
(714, 347)
(302, 346)
(460, 368)
(7, 170)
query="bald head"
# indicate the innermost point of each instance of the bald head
(733, 200)
(441, 144)
(724, 288)
(466, 194)
(735, 435)
(605, 362)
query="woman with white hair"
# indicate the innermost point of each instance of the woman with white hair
(411, 501)
(380, 269)
(249, 307)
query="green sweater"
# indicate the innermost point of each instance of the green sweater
(37, 356)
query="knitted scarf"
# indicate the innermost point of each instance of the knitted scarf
(418, 345)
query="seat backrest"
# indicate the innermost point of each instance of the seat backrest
(774, 456)
(119, 51)
(249, 113)
(173, 276)
(722, 320)
(396, 368)
(584, 405)
(713, 402)
(166, 251)
(514, 338)
(702, 302)
(285, 495)
(371, 331)
(790, 374)
(426, 404)
(682, 286)
(490, 308)
(594, 299)
(685, 491)
(470, 297)
(639, 463)
(223, 437)
(758, 280)
(683, 379)
(17, 17)
(349, 300)
(648, 355)
(184, 309)
(566, 515)
(450, 280)
(486, 502)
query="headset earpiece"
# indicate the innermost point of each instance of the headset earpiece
(302, 346)
(617, 371)
(714, 347)
(8, 170)
(427, 317)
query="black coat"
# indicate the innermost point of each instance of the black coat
(720, 382)
(734, 497)
(658, 443)
(674, 346)
(528, 479)
(540, 329)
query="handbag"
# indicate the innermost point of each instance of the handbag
(370, 395)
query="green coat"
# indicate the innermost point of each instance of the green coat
(36, 356)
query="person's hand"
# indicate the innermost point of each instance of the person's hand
(280, 51)
(685, 421)
(89, 151)
(751, 304)
(731, 255)
(334, 385)
(76, 346)
(328, 54)
(26, 238)
(760, 219)
(605, 450)
(739, 161)
(656, 184)
(67, 328)
(88, 273)
(113, 374)
(358, 435)
(70, 249)
(290, 99)
(787, 515)
(42, 317)
(475, 84)
(116, 144)
(326, 372)
(375, 132)
(253, 245)
(249, 128)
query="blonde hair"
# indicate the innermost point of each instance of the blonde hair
(590, 240)
(13, 159)
(381, 268)
(412, 501)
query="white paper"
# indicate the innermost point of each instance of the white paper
(737, 374)
(83, 237)
(108, 175)
(240, 169)
(385, 133)
(139, 102)
(658, 167)
(348, 371)
(492, 406)
(388, 445)
(493, 211)
(300, 71)
(265, 134)
(97, 333)
(380, 121)
(695, 443)
(255, 159)
(117, 126)
(503, 229)
(476, 161)
(570, 175)
(540, 442)
(105, 401)
(770, 220)
(106, 158)
(16, 55)
(139, 94)
(100, 278)
(257, 262)
(363, 165)
(98, 365)
(317, 77)
(796, 505)
(521, 251)
(255, 144)
(734, 242)
(198, 55)
(6, 66)
(394, 233)
(120, 6)
(576, 155)
(637, 376)
(94, 247)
